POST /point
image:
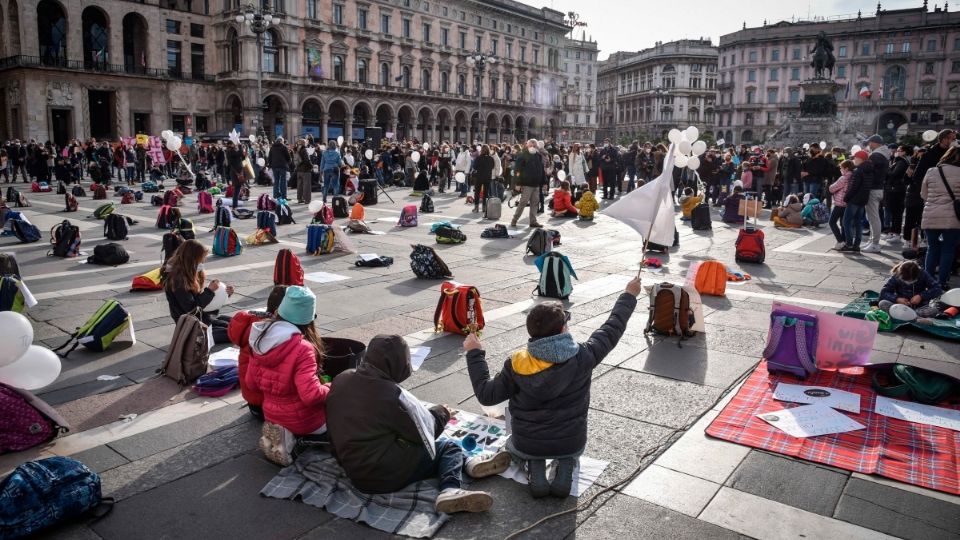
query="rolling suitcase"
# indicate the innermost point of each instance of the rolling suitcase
(749, 246)
(494, 207)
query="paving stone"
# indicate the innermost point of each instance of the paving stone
(691, 364)
(214, 503)
(149, 443)
(450, 390)
(702, 456)
(68, 531)
(898, 512)
(70, 393)
(100, 459)
(627, 517)
(683, 493)
(651, 399)
(801, 484)
(624, 442)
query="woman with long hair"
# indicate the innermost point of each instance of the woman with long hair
(183, 278)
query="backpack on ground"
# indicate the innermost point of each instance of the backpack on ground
(493, 209)
(284, 214)
(171, 241)
(450, 235)
(8, 265)
(98, 333)
(24, 231)
(749, 246)
(156, 200)
(340, 207)
(497, 231)
(11, 297)
(189, 351)
(426, 264)
(171, 198)
(65, 240)
(357, 212)
(556, 276)
(324, 216)
(128, 198)
(287, 269)
(264, 202)
(150, 187)
(204, 202)
(104, 210)
(48, 492)
(267, 221)
(821, 214)
(184, 228)
(78, 191)
(377, 262)
(539, 243)
(167, 217)
(17, 198)
(358, 226)
(218, 382)
(459, 310)
(320, 239)
(26, 421)
(901, 381)
(711, 278)
(111, 254)
(138, 196)
(70, 203)
(45, 187)
(221, 217)
(426, 204)
(99, 192)
(243, 213)
(149, 281)
(408, 216)
(61, 188)
(791, 343)
(226, 243)
(670, 311)
(700, 219)
(115, 227)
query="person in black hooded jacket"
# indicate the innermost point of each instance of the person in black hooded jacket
(548, 385)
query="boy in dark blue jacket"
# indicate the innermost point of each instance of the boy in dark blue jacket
(911, 286)
(548, 386)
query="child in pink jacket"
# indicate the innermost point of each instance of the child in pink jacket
(838, 189)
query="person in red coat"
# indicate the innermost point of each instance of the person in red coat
(239, 332)
(562, 202)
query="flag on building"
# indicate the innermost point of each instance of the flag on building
(649, 209)
(846, 95)
(865, 92)
(880, 93)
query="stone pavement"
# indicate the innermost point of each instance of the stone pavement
(188, 467)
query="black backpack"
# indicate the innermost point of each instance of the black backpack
(171, 241)
(700, 217)
(115, 227)
(65, 239)
(78, 191)
(284, 215)
(340, 207)
(221, 217)
(61, 188)
(111, 254)
(426, 264)
(8, 265)
(539, 243)
(426, 204)
(156, 200)
(497, 231)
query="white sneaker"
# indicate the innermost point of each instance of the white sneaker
(839, 245)
(488, 464)
(871, 248)
(895, 239)
(453, 500)
(276, 443)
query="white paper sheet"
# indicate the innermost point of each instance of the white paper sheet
(324, 277)
(918, 413)
(584, 475)
(823, 395)
(810, 421)
(368, 256)
(227, 357)
(417, 356)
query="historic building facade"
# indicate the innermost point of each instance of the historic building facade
(907, 61)
(579, 123)
(110, 68)
(646, 93)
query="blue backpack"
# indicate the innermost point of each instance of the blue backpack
(320, 239)
(24, 231)
(267, 220)
(40, 494)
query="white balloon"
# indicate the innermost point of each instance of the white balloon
(18, 335)
(252, 138)
(806, 146)
(350, 160)
(699, 148)
(855, 148)
(901, 312)
(540, 145)
(315, 206)
(38, 367)
(261, 162)
(310, 150)
(951, 298)
(674, 136)
(426, 147)
(562, 175)
(172, 144)
(166, 134)
(692, 133)
(460, 177)
(415, 156)
(929, 135)
(693, 163)
(340, 140)
(823, 144)
(684, 146)
(368, 154)
(681, 161)
(219, 299)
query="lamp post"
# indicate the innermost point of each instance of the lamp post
(479, 62)
(257, 20)
(658, 92)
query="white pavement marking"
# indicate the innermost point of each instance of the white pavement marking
(774, 297)
(794, 247)
(770, 520)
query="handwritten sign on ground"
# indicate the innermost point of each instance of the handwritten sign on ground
(491, 434)
(841, 341)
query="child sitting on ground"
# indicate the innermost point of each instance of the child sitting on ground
(587, 205)
(562, 204)
(548, 386)
(731, 206)
(239, 332)
(688, 201)
(911, 286)
(790, 215)
(808, 215)
(386, 439)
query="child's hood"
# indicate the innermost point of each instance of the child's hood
(387, 357)
(266, 336)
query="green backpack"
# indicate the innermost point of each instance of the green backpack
(98, 333)
(104, 210)
(11, 297)
(917, 384)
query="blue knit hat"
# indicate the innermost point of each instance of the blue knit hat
(299, 306)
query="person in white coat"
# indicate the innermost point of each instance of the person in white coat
(577, 167)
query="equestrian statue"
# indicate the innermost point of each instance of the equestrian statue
(823, 59)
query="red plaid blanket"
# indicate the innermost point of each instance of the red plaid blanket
(926, 456)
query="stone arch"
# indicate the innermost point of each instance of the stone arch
(444, 124)
(337, 111)
(274, 116)
(491, 128)
(96, 37)
(135, 40)
(384, 118)
(551, 129)
(52, 33)
(425, 120)
(460, 133)
(362, 116)
(888, 123)
(747, 136)
(233, 113)
(520, 128)
(405, 122)
(312, 112)
(506, 128)
(533, 129)
(476, 130)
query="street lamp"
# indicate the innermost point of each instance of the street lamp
(258, 20)
(479, 62)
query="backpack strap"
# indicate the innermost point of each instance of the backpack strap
(805, 357)
(773, 341)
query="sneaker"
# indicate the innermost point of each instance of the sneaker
(486, 465)
(537, 478)
(848, 249)
(871, 248)
(276, 443)
(536, 226)
(563, 481)
(839, 246)
(453, 500)
(895, 239)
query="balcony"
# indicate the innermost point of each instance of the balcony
(895, 56)
(725, 86)
(35, 62)
(925, 102)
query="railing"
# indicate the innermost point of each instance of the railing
(895, 56)
(23, 61)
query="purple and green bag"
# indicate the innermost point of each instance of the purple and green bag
(792, 343)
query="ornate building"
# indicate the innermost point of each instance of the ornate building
(898, 72)
(109, 68)
(580, 65)
(646, 93)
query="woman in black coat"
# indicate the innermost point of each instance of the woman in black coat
(482, 176)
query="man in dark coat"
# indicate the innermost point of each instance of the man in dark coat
(857, 197)
(609, 168)
(279, 162)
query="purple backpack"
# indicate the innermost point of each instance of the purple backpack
(26, 420)
(792, 343)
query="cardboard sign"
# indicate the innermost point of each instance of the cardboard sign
(841, 341)
(749, 208)
(143, 139)
(155, 150)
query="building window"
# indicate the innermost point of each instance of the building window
(179, 123)
(771, 95)
(200, 123)
(774, 56)
(461, 84)
(271, 54)
(522, 92)
(794, 95)
(174, 66)
(752, 56)
(955, 66)
(953, 91)
(509, 47)
(956, 44)
(928, 68)
(774, 75)
(865, 50)
(523, 53)
(494, 84)
(444, 82)
(384, 74)
(905, 47)
(841, 72)
(476, 86)
(337, 68)
(926, 91)
(750, 97)
(494, 46)
(752, 75)
(338, 14)
(385, 25)
(196, 30)
(445, 37)
(312, 9)
(508, 90)
(771, 117)
(173, 27)
(795, 74)
(196, 61)
(864, 70)
(405, 28)
(405, 77)
(478, 43)
(426, 32)
(842, 51)
(425, 82)
(362, 71)
(362, 19)
(931, 45)
(536, 57)
(463, 40)
(796, 54)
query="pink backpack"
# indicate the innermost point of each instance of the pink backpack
(408, 216)
(264, 202)
(205, 202)
(26, 420)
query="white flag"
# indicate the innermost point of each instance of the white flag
(649, 209)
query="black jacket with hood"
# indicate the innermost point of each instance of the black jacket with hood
(549, 401)
(375, 440)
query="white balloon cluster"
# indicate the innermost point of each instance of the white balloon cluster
(23, 365)
(173, 141)
(688, 148)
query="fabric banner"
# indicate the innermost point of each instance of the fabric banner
(649, 209)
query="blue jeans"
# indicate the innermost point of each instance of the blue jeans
(279, 183)
(814, 188)
(836, 216)
(130, 173)
(852, 223)
(331, 183)
(941, 248)
(448, 465)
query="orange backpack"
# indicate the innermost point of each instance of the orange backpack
(711, 278)
(357, 212)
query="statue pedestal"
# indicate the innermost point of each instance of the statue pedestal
(819, 98)
(817, 120)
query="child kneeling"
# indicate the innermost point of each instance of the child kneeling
(587, 205)
(548, 386)
(911, 286)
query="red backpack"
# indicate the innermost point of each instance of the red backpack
(99, 192)
(750, 246)
(167, 217)
(35, 187)
(128, 198)
(324, 216)
(205, 202)
(264, 202)
(171, 198)
(287, 269)
(26, 420)
(459, 310)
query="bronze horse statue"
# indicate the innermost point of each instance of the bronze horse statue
(823, 59)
